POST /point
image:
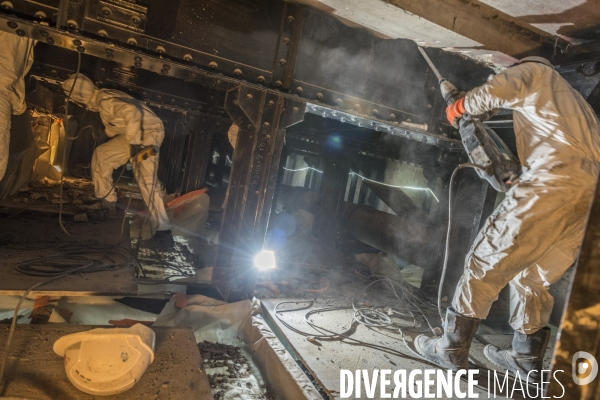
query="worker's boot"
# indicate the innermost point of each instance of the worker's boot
(452, 349)
(163, 240)
(526, 355)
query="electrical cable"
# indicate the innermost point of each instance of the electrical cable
(64, 155)
(446, 248)
(76, 258)
(408, 305)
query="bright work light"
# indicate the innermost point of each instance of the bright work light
(265, 260)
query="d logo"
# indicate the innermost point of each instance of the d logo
(586, 370)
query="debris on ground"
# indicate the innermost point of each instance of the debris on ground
(230, 374)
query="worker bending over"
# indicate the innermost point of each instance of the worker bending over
(16, 57)
(534, 235)
(133, 126)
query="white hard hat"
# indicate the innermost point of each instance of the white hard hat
(106, 361)
(536, 59)
(80, 87)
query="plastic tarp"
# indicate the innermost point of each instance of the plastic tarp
(241, 324)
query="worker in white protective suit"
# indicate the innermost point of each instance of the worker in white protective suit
(16, 57)
(133, 126)
(535, 233)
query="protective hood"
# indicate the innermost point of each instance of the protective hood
(83, 91)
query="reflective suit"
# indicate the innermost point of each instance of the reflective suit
(128, 122)
(534, 235)
(16, 57)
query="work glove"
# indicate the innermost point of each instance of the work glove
(455, 110)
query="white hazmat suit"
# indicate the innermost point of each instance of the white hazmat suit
(128, 122)
(534, 235)
(16, 57)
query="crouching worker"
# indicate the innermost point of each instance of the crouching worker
(133, 128)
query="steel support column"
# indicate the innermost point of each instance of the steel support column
(331, 197)
(262, 117)
(198, 152)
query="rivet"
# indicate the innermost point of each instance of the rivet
(338, 101)
(295, 110)
(429, 106)
(76, 42)
(287, 41)
(108, 51)
(187, 103)
(357, 106)
(137, 64)
(271, 103)
(102, 33)
(132, 42)
(266, 124)
(72, 24)
(278, 84)
(40, 15)
(392, 116)
(172, 100)
(81, 49)
(160, 49)
(167, 67)
(290, 19)
(213, 65)
(44, 34)
(136, 20)
(299, 90)
(249, 127)
(375, 111)
(20, 32)
(237, 72)
(249, 96)
(6, 5)
(49, 40)
(106, 11)
(53, 73)
(261, 79)
(12, 24)
(235, 102)
(159, 96)
(144, 93)
(433, 88)
(320, 96)
(188, 57)
(282, 62)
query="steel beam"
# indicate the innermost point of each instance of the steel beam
(262, 117)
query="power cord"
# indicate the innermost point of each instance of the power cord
(76, 258)
(446, 249)
(64, 155)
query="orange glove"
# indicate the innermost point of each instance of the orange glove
(455, 110)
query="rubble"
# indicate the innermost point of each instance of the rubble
(230, 374)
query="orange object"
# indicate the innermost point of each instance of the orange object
(455, 110)
(180, 300)
(41, 302)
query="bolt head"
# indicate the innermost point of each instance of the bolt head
(12, 24)
(77, 42)
(20, 32)
(49, 40)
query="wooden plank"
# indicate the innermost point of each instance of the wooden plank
(37, 232)
(35, 371)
